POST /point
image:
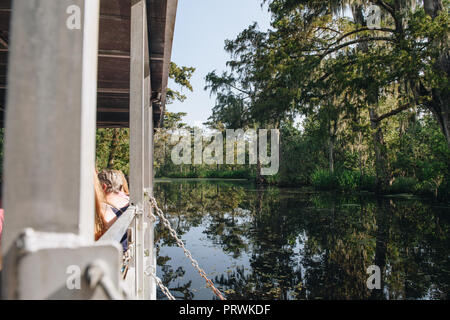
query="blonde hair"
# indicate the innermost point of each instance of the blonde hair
(124, 181)
(99, 224)
(112, 180)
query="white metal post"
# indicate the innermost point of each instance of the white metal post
(150, 255)
(139, 101)
(150, 260)
(51, 118)
(50, 149)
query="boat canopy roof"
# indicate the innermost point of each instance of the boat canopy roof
(113, 85)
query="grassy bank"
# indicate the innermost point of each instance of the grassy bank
(352, 181)
(216, 174)
(344, 181)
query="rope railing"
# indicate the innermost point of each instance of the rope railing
(180, 243)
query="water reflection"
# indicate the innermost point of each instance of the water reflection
(273, 243)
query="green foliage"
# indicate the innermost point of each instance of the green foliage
(173, 120)
(444, 191)
(211, 174)
(404, 185)
(324, 180)
(182, 77)
(112, 144)
(368, 183)
(372, 101)
(342, 180)
(301, 154)
(348, 180)
(113, 149)
(368, 99)
(183, 175)
(237, 174)
(426, 188)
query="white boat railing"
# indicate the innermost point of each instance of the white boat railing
(120, 227)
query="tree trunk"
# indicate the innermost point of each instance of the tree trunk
(360, 158)
(440, 102)
(113, 147)
(332, 129)
(381, 164)
(432, 7)
(259, 178)
(440, 107)
(331, 154)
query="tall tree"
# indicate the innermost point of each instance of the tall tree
(410, 46)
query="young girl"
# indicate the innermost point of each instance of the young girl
(104, 216)
(112, 183)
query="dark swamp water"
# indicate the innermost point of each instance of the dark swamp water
(273, 243)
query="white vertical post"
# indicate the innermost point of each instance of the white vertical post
(51, 118)
(150, 260)
(139, 96)
(50, 128)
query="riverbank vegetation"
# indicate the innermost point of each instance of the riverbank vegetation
(359, 108)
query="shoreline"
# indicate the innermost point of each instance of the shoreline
(402, 195)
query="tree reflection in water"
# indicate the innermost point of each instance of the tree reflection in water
(298, 244)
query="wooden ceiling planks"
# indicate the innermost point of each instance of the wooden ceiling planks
(114, 57)
(114, 63)
(162, 16)
(114, 50)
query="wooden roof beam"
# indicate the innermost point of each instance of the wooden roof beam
(117, 54)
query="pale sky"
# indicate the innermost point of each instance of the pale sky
(200, 31)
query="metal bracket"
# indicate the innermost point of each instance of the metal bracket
(45, 265)
(96, 277)
(140, 212)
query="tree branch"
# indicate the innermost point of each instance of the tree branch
(392, 113)
(360, 40)
(389, 9)
(386, 7)
(329, 29)
(360, 30)
(238, 89)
